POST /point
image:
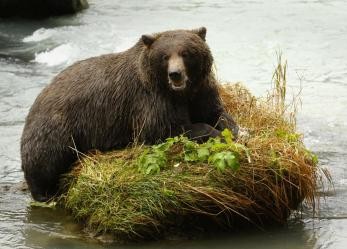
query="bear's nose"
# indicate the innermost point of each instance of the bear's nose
(175, 76)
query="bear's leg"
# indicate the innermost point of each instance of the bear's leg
(43, 168)
(200, 132)
(41, 190)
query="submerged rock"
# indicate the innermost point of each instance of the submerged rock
(40, 8)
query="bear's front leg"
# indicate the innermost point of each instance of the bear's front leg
(200, 132)
(206, 107)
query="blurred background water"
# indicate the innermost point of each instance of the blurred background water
(244, 37)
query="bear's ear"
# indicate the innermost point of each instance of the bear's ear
(147, 40)
(201, 32)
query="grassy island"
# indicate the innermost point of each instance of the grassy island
(147, 191)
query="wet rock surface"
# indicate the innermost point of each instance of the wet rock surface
(40, 8)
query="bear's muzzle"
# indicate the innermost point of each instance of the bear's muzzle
(177, 73)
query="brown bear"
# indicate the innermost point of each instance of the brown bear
(161, 87)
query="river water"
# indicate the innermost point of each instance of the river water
(244, 37)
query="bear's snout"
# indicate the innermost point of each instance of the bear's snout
(175, 76)
(177, 73)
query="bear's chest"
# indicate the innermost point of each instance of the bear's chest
(170, 109)
(160, 117)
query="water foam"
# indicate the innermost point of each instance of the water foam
(40, 35)
(63, 54)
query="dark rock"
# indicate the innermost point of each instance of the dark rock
(40, 8)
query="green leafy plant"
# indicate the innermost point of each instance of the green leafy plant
(152, 161)
(221, 152)
(223, 160)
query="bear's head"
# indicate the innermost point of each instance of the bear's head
(177, 60)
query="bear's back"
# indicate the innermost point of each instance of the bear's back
(89, 97)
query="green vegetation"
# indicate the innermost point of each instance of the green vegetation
(221, 154)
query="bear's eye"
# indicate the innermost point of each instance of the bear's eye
(165, 57)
